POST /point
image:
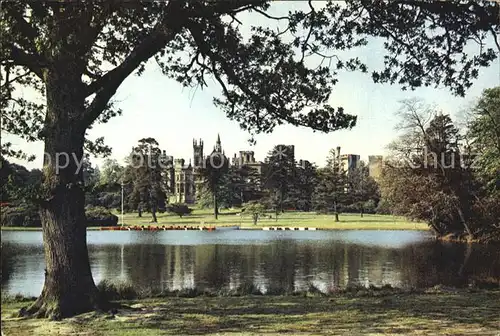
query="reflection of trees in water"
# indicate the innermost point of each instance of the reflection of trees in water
(280, 262)
(109, 257)
(19, 264)
(7, 252)
(452, 264)
(283, 265)
(213, 265)
(287, 265)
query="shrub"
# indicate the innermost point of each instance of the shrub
(370, 206)
(24, 215)
(100, 216)
(179, 209)
(247, 289)
(109, 200)
(312, 290)
(255, 209)
(110, 291)
(278, 291)
(384, 207)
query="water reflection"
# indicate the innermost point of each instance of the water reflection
(271, 261)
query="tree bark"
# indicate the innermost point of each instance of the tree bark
(336, 212)
(153, 212)
(69, 288)
(464, 223)
(216, 206)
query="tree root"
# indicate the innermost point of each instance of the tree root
(40, 309)
(53, 310)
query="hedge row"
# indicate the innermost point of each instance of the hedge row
(28, 216)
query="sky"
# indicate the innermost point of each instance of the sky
(156, 106)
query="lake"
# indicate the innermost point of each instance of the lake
(284, 260)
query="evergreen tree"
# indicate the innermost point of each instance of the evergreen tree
(330, 193)
(145, 174)
(280, 178)
(236, 186)
(247, 184)
(302, 189)
(362, 189)
(484, 135)
(214, 175)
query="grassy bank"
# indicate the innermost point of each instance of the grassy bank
(21, 228)
(204, 217)
(441, 312)
(291, 219)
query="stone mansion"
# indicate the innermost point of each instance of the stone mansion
(184, 180)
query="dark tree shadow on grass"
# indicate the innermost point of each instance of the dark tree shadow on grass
(402, 314)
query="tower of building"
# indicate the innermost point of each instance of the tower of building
(284, 152)
(218, 146)
(349, 162)
(198, 153)
(375, 166)
(245, 158)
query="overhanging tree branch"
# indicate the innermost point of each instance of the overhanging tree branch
(278, 18)
(31, 61)
(106, 86)
(28, 31)
(9, 81)
(197, 34)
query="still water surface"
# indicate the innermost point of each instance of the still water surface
(289, 260)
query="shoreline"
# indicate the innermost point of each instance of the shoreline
(284, 227)
(449, 238)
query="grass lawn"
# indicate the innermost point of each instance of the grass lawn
(204, 217)
(445, 313)
(292, 219)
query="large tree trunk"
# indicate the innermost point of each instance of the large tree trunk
(69, 288)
